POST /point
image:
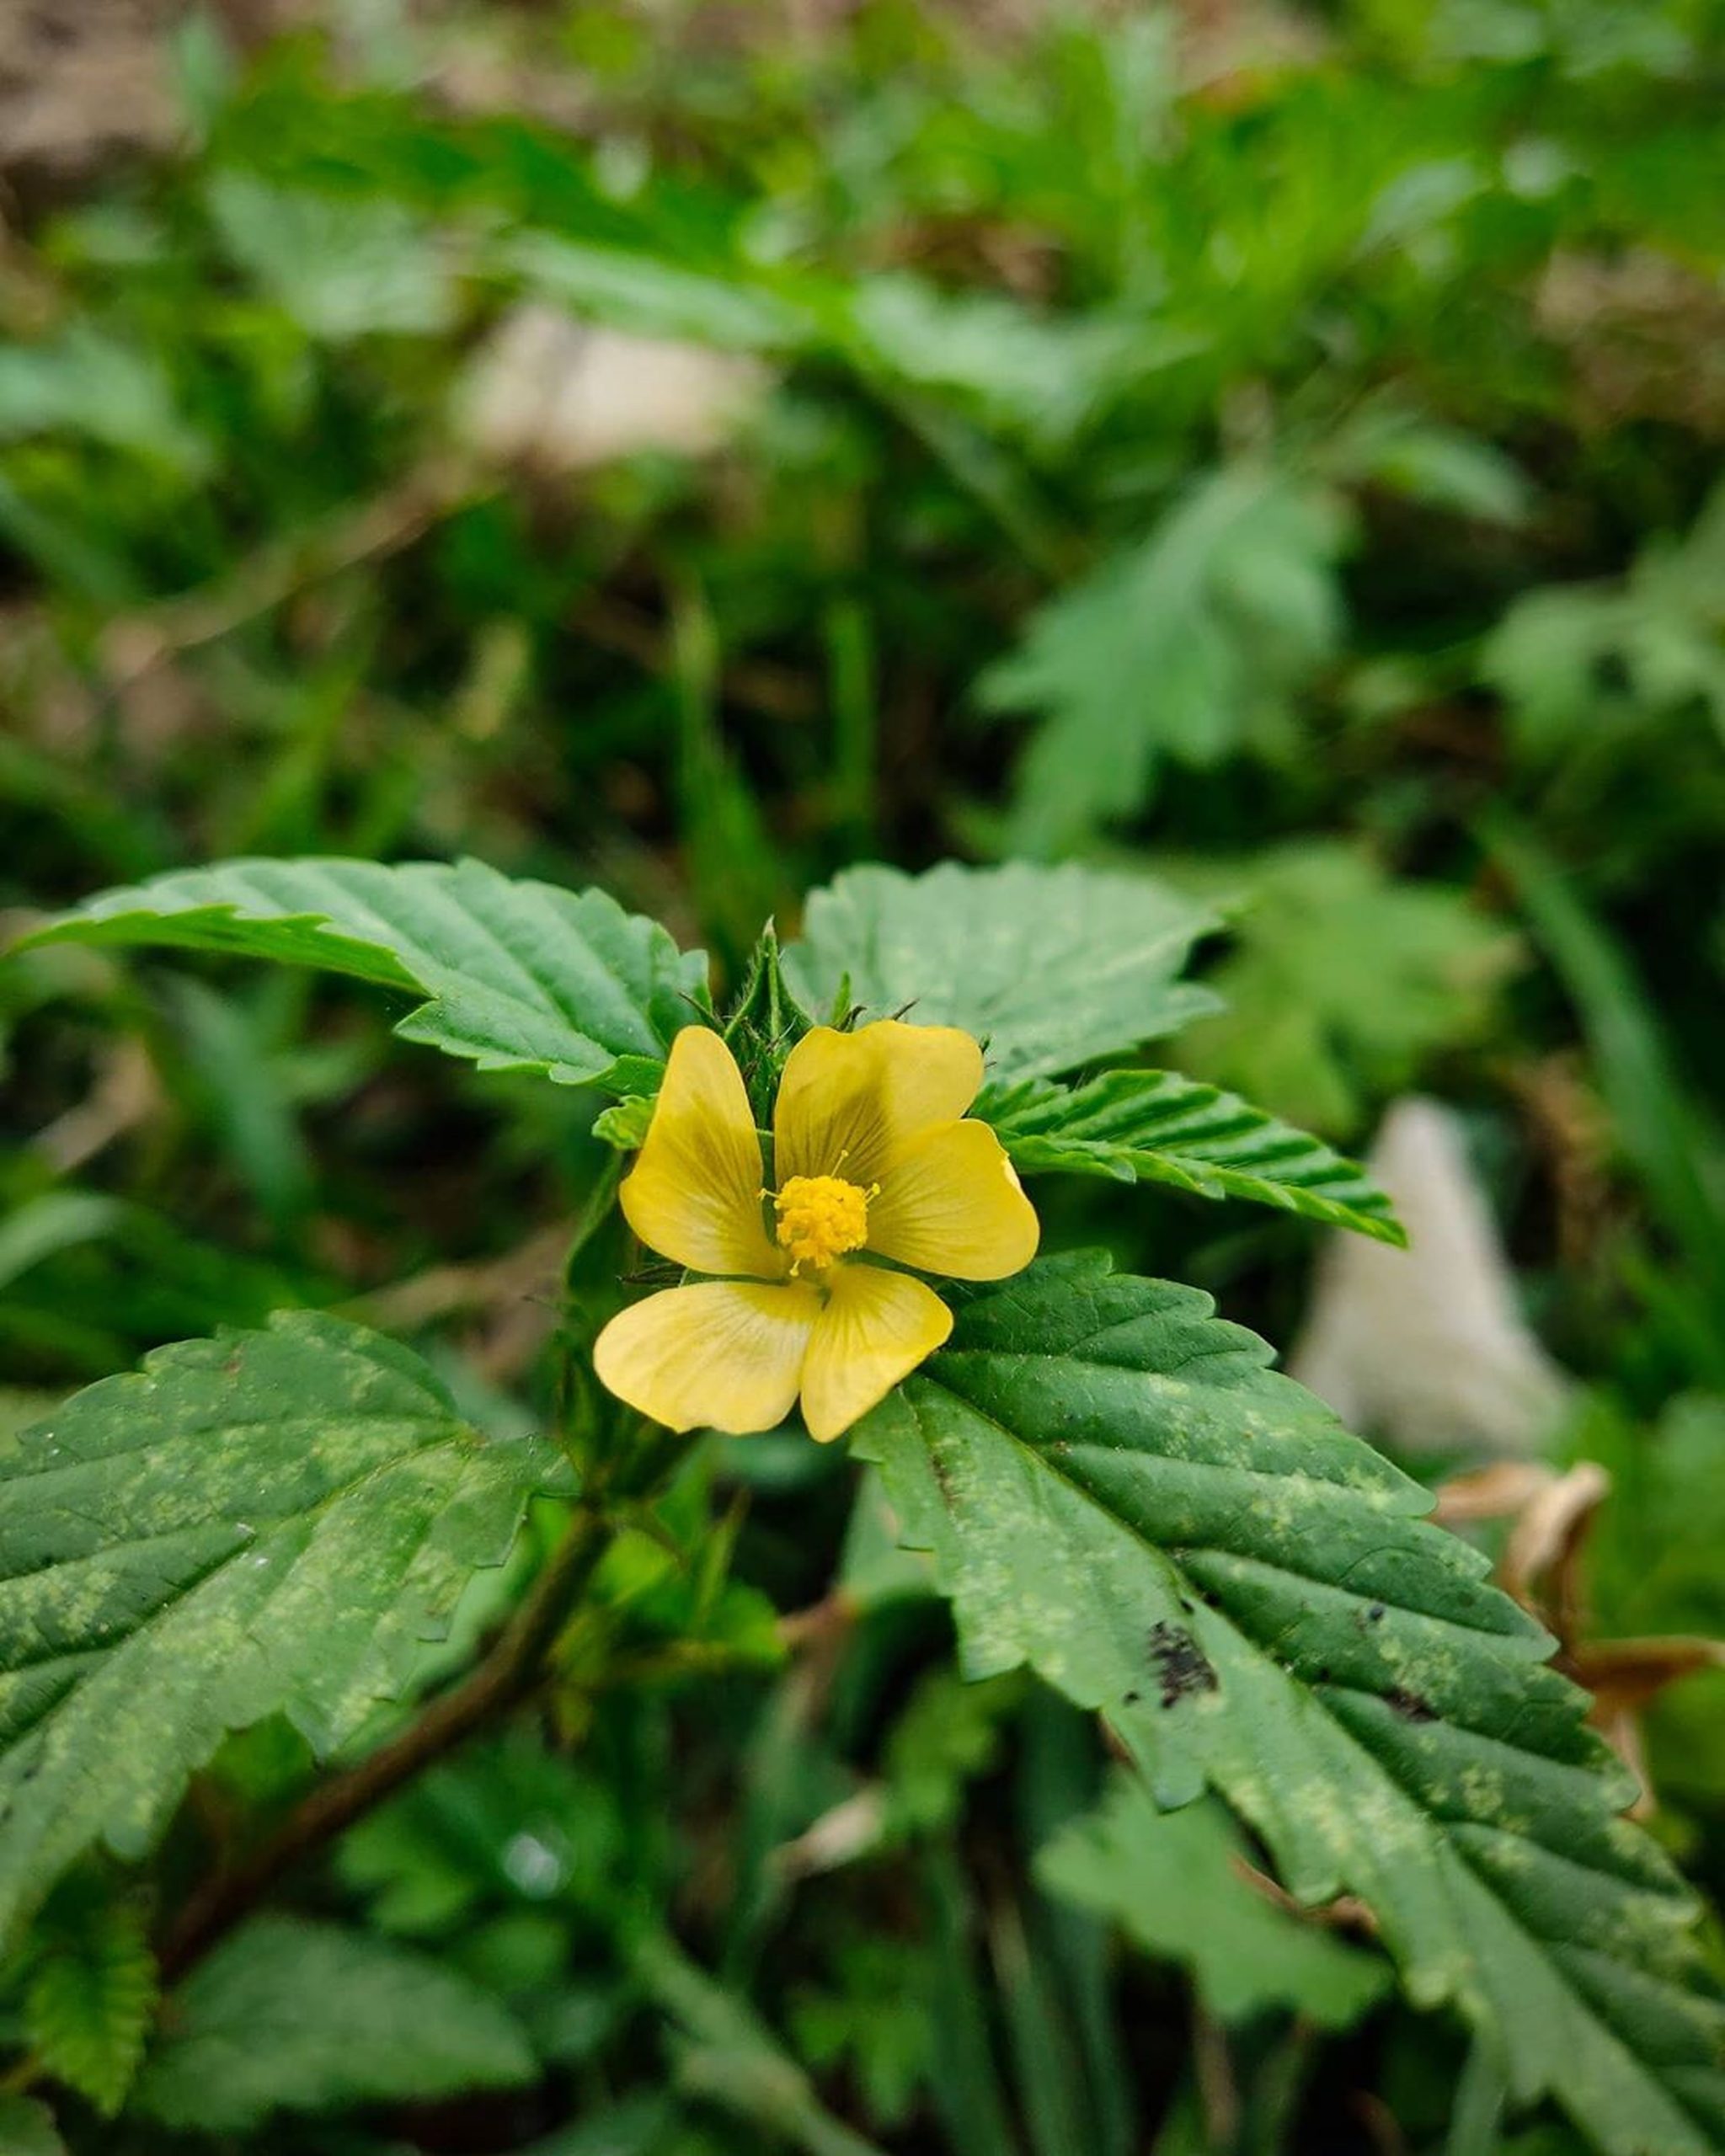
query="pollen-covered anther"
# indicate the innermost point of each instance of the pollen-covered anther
(820, 1217)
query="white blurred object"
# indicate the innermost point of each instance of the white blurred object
(1427, 1346)
(564, 396)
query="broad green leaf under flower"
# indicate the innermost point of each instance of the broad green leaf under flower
(1119, 1491)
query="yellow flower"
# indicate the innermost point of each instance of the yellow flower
(873, 1161)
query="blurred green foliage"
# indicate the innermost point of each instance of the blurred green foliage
(1279, 448)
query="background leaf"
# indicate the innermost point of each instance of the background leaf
(27, 2128)
(1562, 656)
(1119, 1492)
(1341, 981)
(1174, 1881)
(291, 2015)
(521, 975)
(340, 269)
(264, 1521)
(91, 1999)
(1050, 968)
(1187, 648)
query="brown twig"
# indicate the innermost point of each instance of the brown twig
(507, 1674)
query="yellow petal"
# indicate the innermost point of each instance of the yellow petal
(876, 1328)
(846, 1099)
(949, 1202)
(695, 1194)
(723, 1355)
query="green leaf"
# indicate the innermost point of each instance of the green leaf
(519, 975)
(288, 2015)
(1406, 453)
(264, 1521)
(1050, 968)
(341, 267)
(1119, 1492)
(91, 1999)
(1187, 648)
(876, 2020)
(1173, 1881)
(1018, 369)
(505, 1821)
(656, 297)
(27, 2129)
(1154, 1126)
(947, 1737)
(114, 392)
(59, 1219)
(1559, 653)
(1343, 981)
(19, 1409)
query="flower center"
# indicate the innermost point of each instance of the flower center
(821, 1216)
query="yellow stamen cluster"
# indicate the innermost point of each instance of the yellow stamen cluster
(820, 1217)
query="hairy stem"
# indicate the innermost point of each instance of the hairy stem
(507, 1673)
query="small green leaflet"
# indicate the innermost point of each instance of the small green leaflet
(265, 1521)
(1173, 1881)
(1341, 982)
(1187, 648)
(1569, 660)
(625, 1123)
(1049, 968)
(518, 975)
(1154, 1126)
(1120, 1492)
(92, 1997)
(289, 2016)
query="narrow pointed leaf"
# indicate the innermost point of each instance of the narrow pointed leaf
(1050, 968)
(1155, 1126)
(263, 1522)
(516, 975)
(1120, 1492)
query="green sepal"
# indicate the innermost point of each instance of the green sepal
(625, 1123)
(764, 1024)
